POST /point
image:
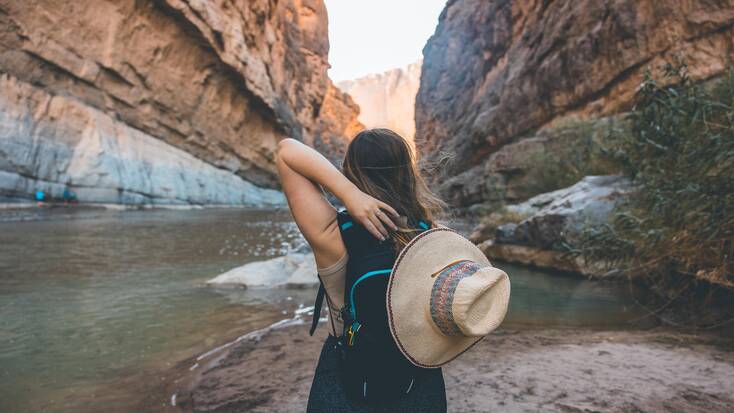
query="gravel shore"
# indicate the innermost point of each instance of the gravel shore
(510, 371)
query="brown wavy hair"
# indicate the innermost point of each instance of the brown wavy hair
(382, 164)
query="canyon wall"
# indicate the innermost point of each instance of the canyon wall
(387, 99)
(510, 88)
(163, 101)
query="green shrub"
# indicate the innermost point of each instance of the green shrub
(679, 222)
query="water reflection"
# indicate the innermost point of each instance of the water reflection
(545, 300)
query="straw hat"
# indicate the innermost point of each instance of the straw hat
(443, 297)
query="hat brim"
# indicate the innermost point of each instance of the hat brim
(409, 293)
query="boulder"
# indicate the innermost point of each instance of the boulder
(291, 270)
(552, 219)
(557, 215)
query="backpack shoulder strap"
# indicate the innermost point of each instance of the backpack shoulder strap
(317, 308)
(347, 227)
(424, 225)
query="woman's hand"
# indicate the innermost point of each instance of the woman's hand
(370, 212)
(305, 161)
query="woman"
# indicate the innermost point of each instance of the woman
(385, 195)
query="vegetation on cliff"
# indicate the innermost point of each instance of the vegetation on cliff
(677, 228)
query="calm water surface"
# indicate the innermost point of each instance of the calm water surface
(96, 305)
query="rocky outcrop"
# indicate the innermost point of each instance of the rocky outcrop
(387, 99)
(497, 75)
(553, 219)
(216, 82)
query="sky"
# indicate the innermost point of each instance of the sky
(372, 36)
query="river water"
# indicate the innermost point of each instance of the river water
(96, 304)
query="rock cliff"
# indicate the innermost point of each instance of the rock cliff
(500, 76)
(387, 99)
(103, 95)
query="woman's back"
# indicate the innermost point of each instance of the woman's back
(365, 363)
(382, 189)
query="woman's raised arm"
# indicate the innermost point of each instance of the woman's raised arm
(302, 169)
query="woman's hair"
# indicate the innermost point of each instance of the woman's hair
(382, 164)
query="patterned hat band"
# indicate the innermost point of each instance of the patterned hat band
(442, 295)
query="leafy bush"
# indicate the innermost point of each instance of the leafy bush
(679, 223)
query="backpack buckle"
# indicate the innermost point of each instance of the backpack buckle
(352, 332)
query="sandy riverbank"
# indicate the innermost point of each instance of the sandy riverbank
(511, 371)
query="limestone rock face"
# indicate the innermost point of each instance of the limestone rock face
(218, 82)
(50, 142)
(387, 99)
(497, 71)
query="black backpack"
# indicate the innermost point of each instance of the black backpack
(371, 365)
